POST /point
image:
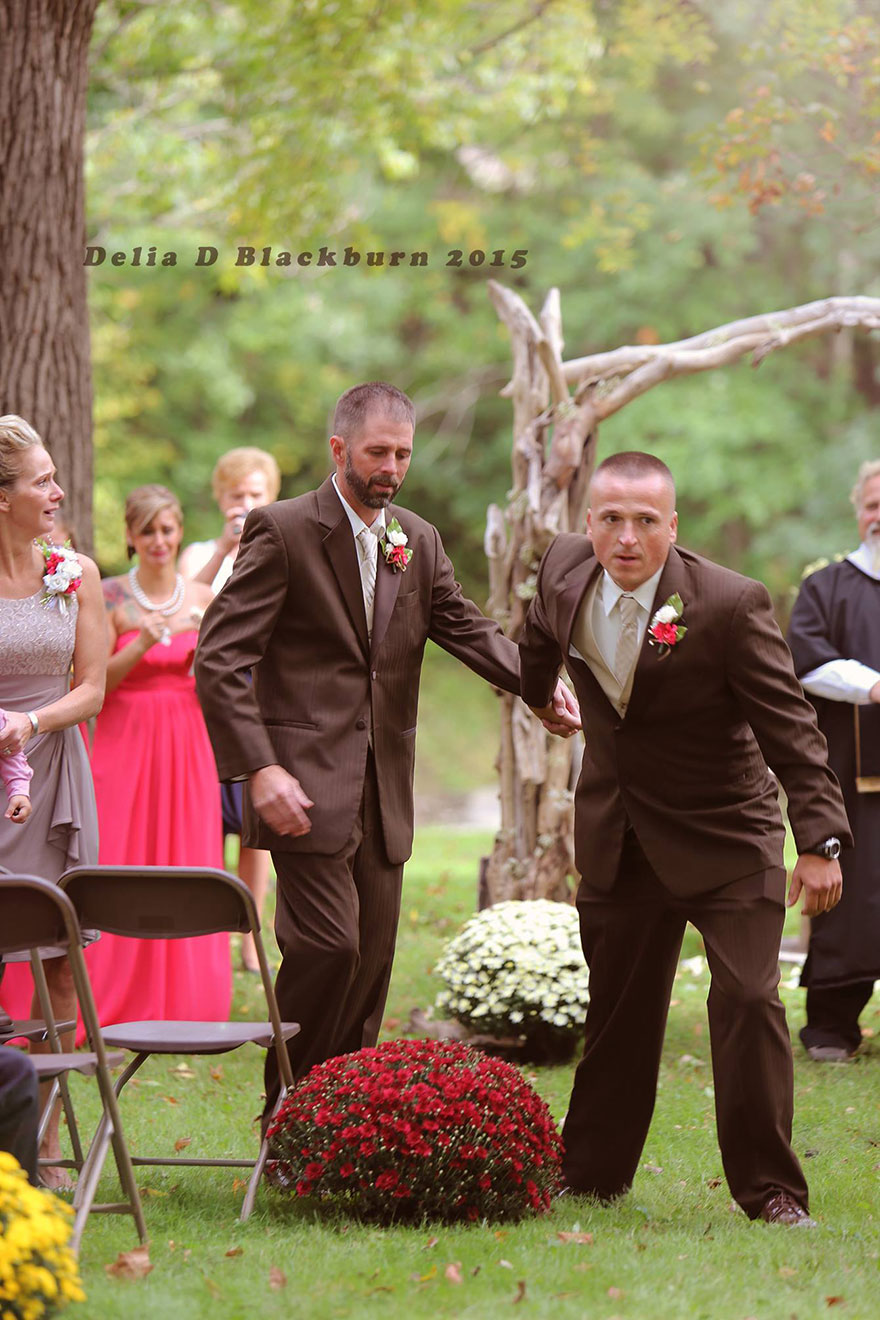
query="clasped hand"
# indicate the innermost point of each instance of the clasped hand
(563, 715)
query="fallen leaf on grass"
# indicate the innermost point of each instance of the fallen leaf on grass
(212, 1287)
(505, 1264)
(171, 1100)
(453, 1272)
(653, 1168)
(424, 1278)
(431, 1242)
(615, 1293)
(586, 1238)
(182, 1070)
(277, 1279)
(235, 1251)
(151, 1191)
(786, 1272)
(238, 1186)
(216, 1074)
(520, 1292)
(134, 1264)
(382, 1287)
(181, 1143)
(475, 1271)
(835, 1301)
(714, 1182)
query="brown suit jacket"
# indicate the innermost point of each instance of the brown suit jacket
(293, 613)
(688, 764)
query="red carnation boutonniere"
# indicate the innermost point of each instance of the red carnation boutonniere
(394, 547)
(666, 629)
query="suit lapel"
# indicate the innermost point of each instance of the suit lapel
(575, 585)
(649, 666)
(387, 587)
(341, 551)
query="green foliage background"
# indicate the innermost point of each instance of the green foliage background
(628, 147)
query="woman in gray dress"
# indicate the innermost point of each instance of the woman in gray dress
(53, 657)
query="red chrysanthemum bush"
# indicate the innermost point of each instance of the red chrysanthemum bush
(417, 1129)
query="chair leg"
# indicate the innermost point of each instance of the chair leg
(254, 1180)
(87, 1185)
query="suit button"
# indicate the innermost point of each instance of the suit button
(361, 723)
(374, 675)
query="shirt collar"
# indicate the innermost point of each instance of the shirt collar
(611, 592)
(357, 522)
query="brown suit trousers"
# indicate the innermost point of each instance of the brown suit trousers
(632, 940)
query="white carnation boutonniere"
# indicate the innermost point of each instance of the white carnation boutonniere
(395, 547)
(63, 575)
(666, 629)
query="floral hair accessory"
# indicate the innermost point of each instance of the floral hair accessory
(665, 629)
(63, 575)
(395, 548)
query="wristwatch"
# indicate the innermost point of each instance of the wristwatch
(830, 849)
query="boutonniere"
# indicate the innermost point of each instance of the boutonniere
(666, 629)
(63, 575)
(394, 547)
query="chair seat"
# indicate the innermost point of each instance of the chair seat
(48, 1066)
(192, 1037)
(30, 1029)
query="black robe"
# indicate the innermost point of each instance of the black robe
(837, 616)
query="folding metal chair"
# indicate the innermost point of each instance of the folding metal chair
(177, 902)
(35, 913)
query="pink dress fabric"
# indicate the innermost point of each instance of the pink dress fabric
(156, 788)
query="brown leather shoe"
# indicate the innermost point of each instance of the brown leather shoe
(784, 1209)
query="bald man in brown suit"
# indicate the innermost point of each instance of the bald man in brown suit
(687, 694)
(333, 597)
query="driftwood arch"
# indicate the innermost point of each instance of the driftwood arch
(557, 408)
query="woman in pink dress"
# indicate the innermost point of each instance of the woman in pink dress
(154, 771)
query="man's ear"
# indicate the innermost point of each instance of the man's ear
(673, 528)
(589, 527)
(337, 449)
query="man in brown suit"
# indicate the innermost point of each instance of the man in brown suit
(687, 695)
(333, 597)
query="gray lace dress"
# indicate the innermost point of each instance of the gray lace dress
(36, 649)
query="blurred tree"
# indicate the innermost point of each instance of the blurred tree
(44, 334)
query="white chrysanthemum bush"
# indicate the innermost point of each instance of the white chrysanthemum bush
(517, 969)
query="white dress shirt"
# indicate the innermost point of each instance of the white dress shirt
(357, 526)
(606, 619)
(846, 680)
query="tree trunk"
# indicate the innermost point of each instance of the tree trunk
(553, 446)
(45, 372)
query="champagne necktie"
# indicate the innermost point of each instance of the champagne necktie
(369, 558)
(627, 638)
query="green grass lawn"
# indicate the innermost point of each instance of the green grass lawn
(675, 1247)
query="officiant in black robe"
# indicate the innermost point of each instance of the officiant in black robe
(834, 637)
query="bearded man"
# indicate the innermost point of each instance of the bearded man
(834, 637)
(333, 597)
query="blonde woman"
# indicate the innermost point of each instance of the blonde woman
(243, 479)
(52, 666)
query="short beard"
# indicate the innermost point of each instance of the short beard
(369, 498)
(872, 540)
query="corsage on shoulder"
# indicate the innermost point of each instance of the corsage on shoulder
(394, 547)
(666, 629)
(63, 575)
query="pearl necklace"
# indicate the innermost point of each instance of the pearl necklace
(166, 607)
